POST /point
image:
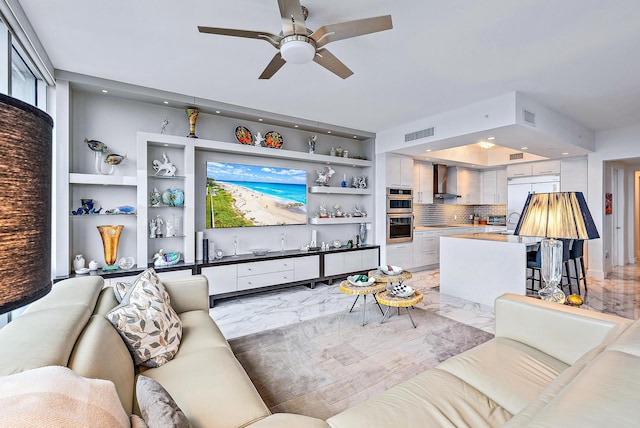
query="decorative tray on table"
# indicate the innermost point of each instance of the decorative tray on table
(360, 280)
(390, 270)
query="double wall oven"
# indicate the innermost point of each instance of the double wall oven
(399, 215)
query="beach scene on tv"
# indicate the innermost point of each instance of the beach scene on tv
(250, 195)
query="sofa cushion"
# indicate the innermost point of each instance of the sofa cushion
(433, 398)
(156, 405)
(508, 372)
(605, 393)
(55, 396)
(73, 291)
(211, 388)
(199, 332)
(147, 323)
(106, 302)
(100, 339)
(286, 420)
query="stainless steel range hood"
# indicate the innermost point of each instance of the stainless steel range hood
(440, 183)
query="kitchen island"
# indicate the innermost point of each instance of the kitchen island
(482, 266)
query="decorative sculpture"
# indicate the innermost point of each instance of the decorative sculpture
(165, 122)
(110, 237)
(312, 143)
(167, 168)
(258, 140)
(324, 175)
(113, 159)
(154, 198)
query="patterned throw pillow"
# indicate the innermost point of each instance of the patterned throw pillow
(121, 288)
(157, 406)
(147, 322)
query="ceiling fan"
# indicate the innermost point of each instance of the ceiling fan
(297, 44)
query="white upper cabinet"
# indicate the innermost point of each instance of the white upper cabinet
(519, 170)
(422, 183)
(466, 183)
(494, 186)
(545, 168)
(399, 171)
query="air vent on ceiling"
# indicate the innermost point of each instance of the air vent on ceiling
(528, 117)
(516, 156)
(424, 133)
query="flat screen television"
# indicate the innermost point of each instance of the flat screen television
(241, 195)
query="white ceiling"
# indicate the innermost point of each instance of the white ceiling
(578, 57)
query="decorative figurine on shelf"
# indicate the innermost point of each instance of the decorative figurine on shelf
(165, 259)
(312, 143)
(324, 175)
(359, 182)
(338, 210)
(152, 229)
(192, 114)
(357, 212)
(171, 228)
(323, 211)
(159, 223)
(154, 198)
(165, 122)
(167, 168)
(344, 181)
(258, 140)
(112, 159)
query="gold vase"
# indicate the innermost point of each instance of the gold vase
(110, 236)
(192, 114)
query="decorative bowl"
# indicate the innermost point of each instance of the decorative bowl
(400, 290)
(357, 280)
(260, 251)
(390, 270)
(337, 243)
(82, 271)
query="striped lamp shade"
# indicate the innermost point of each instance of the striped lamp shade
(25, 206)
(559, 215)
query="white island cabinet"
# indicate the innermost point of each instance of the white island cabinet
(480, 267)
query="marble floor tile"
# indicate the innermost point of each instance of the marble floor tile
(619, 294)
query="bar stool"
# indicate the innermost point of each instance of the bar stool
(566, 272)
(534, 262)
(577, 256)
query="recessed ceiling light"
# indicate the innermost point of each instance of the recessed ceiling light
(295, 126)
(166, 102)
(328, 132)
(217, 111)
(524, 148)
(428, 150)
(166, 145)
(104, 91)
(355, 137)
(491, 138)
(485, 144)
(565, 153)
(260, 120)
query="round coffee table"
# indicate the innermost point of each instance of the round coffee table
(389, 300)
(348, 288)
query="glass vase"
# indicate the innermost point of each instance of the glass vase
(110, 237)
(551, 269)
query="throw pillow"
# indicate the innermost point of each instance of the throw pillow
(55, 396)
(147, 322)
(121, 288)
(157, 406)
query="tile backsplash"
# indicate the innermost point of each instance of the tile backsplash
(438, 214)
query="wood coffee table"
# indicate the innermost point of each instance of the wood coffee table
(348, 288)
(389, 300)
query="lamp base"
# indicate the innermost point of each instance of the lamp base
(110, 268)
(551, 293)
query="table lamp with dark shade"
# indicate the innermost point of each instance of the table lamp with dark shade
(554, 216)
(25, 203)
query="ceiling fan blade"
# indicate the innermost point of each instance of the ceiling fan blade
(292, 17)
(274, 65)
(273, 39)
(331, 63)
(344, 30)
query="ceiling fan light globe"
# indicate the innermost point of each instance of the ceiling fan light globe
(297, 51)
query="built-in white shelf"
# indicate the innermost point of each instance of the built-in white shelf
(339, 190)
(179, 177)
(168, 237)
(103, 215)
(107, 180)
(248, 150)
(340, 220)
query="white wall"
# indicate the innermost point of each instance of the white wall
(611, 145)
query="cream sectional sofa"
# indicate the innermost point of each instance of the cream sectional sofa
(548, 366)
(68, 327)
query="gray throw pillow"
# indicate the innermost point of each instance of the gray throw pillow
(147, 322)
(156, 405)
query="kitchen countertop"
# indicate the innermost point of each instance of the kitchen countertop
(512, 239)
(453, 226)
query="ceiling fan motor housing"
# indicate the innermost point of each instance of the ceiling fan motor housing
(297, 49)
